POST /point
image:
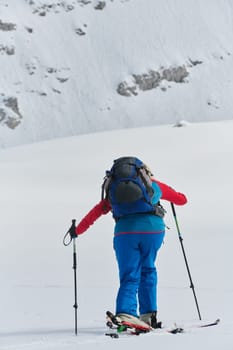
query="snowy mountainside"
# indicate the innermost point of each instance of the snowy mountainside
(76, 66)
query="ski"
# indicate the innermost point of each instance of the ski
(131, 330)
(199, 325)
(214, 323)
(121, 327)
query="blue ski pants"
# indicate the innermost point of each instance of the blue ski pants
(136, 254)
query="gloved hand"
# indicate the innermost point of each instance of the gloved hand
(72, 230)
(70, 234)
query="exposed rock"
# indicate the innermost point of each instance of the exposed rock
(29, 30)
(9, 112)
(56, 90)
(195, 62)
(126, 90)
(148, 81)
(213, 103)
(40, 93)
(42, 13)
(62, 80)
(51, 70)
(12, 123)
(55, 7)
(9, 50)
(181, 123)
(31, 68)
(176, 74)
(84, 2)
(152, 79)
(12, 103)
(79, 31)
(7, 27)
(100, 6)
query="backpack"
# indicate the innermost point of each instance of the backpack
(128, 187)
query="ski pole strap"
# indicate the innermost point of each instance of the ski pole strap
(67, 240)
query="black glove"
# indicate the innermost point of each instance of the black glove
(72, 230)
(71, 233)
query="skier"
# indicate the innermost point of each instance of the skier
(137, 240)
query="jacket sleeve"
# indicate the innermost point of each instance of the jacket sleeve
(170, 194)
(103, 207)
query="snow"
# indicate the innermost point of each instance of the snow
(61, 63)
(45, 185)
(66, 84)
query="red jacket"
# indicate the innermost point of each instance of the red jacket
(104, 207)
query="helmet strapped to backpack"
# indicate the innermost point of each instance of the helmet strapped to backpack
(128, 187)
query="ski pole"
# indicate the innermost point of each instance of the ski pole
(75, 287)
(185, 259)
(73, 236)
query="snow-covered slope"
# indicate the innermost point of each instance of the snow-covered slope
(45, 185)
(65, 65)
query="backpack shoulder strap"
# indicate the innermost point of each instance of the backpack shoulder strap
(105, 185)
(146, 181)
